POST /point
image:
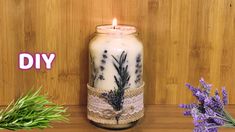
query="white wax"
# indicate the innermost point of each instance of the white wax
(112, 42)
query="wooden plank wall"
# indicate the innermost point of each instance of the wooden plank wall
(183, 40)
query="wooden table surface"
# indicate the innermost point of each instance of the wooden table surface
(158, 118)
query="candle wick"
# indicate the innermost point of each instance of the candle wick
(114, 27)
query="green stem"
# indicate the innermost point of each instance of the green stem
(228, 126)
(229, 117)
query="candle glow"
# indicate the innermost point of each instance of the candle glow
(114, 23)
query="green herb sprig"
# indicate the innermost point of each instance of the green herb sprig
(31, 111)
(116, 97)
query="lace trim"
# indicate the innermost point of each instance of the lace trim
(97, 104)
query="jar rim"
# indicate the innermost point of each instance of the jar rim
(116, 30)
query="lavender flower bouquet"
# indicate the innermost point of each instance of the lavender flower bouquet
(209, 113)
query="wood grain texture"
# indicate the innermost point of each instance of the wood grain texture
(183, 41)
(158, 118)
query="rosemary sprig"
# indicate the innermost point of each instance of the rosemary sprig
(122, 70)
(115, 97)
(31, 111)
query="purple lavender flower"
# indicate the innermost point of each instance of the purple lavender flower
(193, 89)
(205, 127)
(197, 115)
(212, 130)
(199, 129)
(187, 113)
(208, 101)
(225, 96)
(209, 114)
(201, 96)
(211, 127)
(206, 86)
(187, 106)
(218, 121)
(218, 103)
(197, 92)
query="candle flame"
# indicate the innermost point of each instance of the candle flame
(114, 24)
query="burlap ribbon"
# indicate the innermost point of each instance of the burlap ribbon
(110, 113)
(130, 112)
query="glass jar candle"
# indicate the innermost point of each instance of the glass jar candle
(115, 88)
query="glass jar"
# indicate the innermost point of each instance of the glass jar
(115, 88)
